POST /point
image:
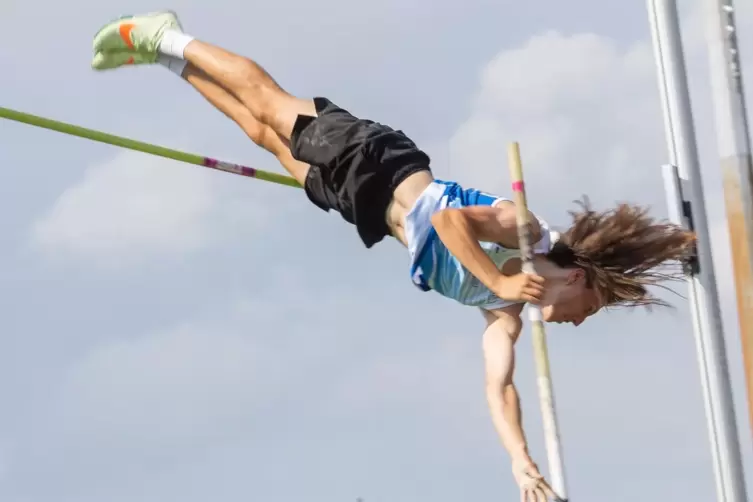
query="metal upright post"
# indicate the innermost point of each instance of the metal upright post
(733, 138)
(704, 301)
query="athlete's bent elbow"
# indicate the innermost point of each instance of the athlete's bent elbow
(502, 393)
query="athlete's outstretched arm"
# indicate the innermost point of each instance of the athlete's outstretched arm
(499, 363)
(461, 230)
(502, 330)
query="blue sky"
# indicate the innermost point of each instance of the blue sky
(172, 333)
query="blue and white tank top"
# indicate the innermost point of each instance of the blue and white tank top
(432, 265)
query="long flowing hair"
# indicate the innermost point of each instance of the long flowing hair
(624, 251)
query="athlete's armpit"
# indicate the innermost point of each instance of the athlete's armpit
(507, 317)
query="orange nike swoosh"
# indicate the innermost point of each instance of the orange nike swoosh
(125, 33)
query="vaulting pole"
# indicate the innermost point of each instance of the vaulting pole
(543, 373)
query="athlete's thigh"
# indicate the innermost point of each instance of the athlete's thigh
(284, 110)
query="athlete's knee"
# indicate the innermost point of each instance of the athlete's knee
(253, 128)
(267, 138)
(264, 101)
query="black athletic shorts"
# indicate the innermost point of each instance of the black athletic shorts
(356, 164)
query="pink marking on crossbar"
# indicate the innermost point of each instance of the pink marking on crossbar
(216, 164)
(517, 186)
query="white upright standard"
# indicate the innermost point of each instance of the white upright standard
(686, 203)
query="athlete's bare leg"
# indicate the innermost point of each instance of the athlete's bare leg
(251, 85)
(261, 134)
(273, 106)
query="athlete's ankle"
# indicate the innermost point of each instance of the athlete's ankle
(172, 63)
(173, 43)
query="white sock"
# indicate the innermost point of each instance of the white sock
(174, 42)
(172, 63)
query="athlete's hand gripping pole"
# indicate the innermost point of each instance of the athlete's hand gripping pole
(546, 392)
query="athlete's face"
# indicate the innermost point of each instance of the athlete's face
(570, 300)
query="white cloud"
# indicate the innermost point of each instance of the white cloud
(132, 206)
(136, 207)
(584, 111)
(169, 388)
(587, 114)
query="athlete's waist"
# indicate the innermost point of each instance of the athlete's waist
(410, 187)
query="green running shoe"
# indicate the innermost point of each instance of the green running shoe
(116, 59)
(140, 34)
